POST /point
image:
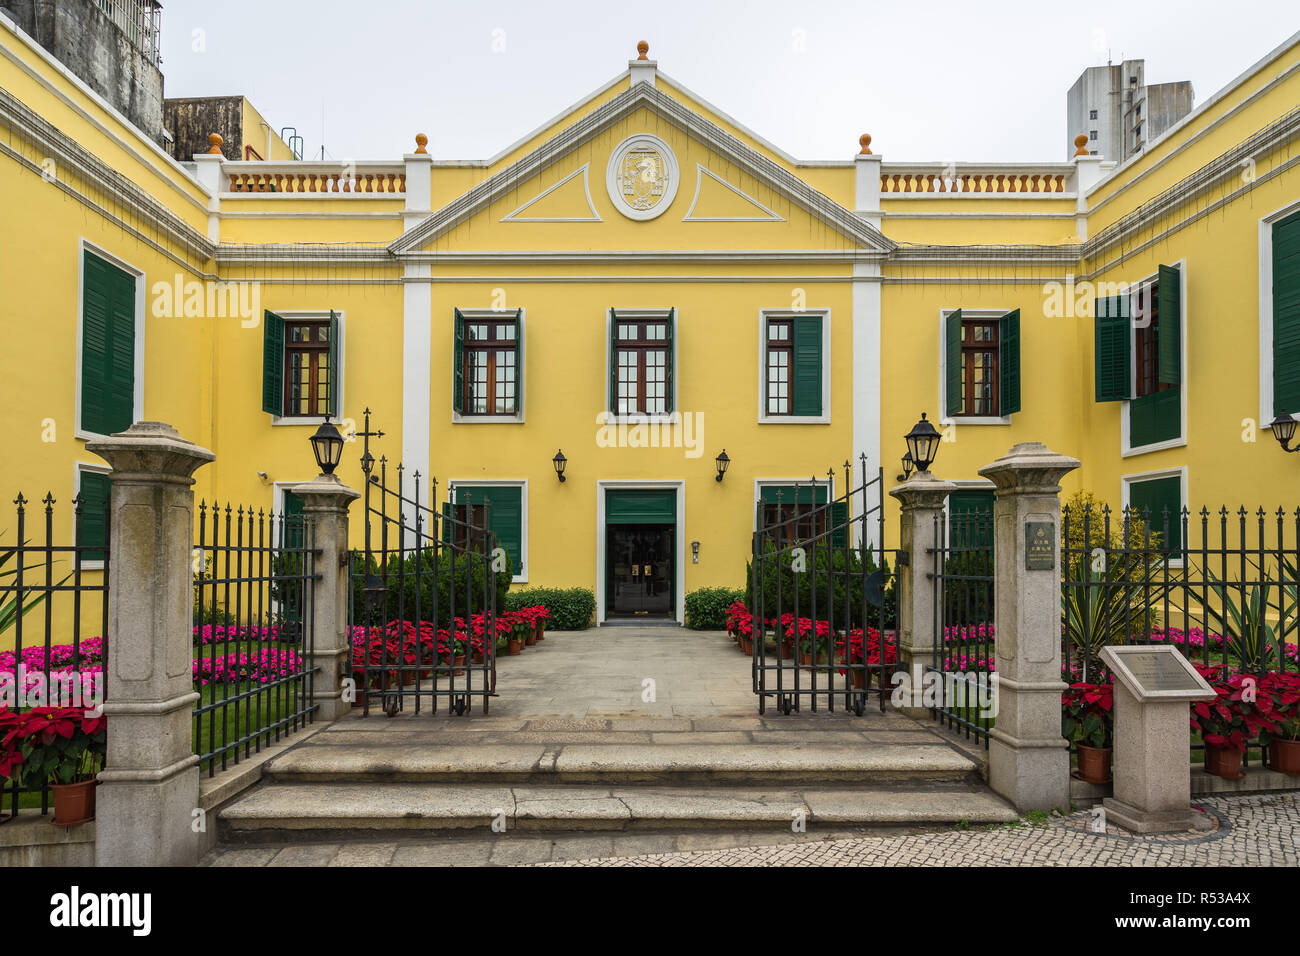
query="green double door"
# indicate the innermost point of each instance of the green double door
(640, 551)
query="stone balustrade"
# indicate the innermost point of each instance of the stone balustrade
(965, 178)
(314, 177)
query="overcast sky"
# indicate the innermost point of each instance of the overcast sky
(930, 80)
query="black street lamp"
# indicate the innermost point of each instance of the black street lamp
(1284, 430)
(722, 461)
(559, 461)
(908, 467)
(327, 446)
(923, 444)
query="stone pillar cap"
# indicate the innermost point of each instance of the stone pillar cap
(923, 490)
(327, 485)
(151, 449)
(1030, 466)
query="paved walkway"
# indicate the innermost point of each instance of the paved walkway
(1248, 831)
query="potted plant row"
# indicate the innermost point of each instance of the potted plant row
(60, 746)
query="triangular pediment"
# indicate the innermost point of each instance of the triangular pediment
(721, 179)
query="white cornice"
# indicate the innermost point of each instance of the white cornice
(775, 177)
(643, 256)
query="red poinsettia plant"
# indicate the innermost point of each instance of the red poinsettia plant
(1239, 713)
(1278, 695)
(56, 745)
(1088, 714)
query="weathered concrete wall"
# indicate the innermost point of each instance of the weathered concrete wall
(82, 37)
(192, 120)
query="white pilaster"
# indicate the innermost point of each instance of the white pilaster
(867, 333)
(643, 71)
(210, 176)
(1087, 173)
(866, 187)
(419, 189)
(417, 358)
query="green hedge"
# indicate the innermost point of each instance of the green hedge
(838, 578)
(571, 608)
(400, 599)
(706, 609)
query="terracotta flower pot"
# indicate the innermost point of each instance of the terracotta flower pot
(458, 664)
(1223, 762)
(1094, 764)
(408, 678)
(747, 645)
(541, 631)
(1284, 756)
(858, 679)
(74, 803)
(806, 659)
(514, 648)
(531, 639)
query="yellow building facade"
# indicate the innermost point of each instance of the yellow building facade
(641, 283)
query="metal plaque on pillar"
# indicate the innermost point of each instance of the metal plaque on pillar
(1040, 546)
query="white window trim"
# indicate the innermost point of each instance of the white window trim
(459, 418)
(763, 417)
(761, 483)
(78, 468)
(521, 483)
(679, 588)
(637, 418)
(311, 315)
(1266, 224)
(1126, 448)
(137, 400)
(1126, 481)
(943, 370)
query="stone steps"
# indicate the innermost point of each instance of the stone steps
(307, 812)
(793, 764)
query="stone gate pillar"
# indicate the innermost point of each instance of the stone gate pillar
(922, 498)
(1029, 760)
(150, 785)
(325, 506)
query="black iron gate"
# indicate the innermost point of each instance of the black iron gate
(423, 596)
(823, 596)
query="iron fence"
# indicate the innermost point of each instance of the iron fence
(822, 595)
(424, 596)
(963, 595)
(54, 614)
(254, 576)
(1221, 586)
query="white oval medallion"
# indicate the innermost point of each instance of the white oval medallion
(642, 177)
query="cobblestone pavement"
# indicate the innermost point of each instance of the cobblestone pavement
(1249, 831)
(1245, 831)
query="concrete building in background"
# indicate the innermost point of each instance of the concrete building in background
(1119, 113)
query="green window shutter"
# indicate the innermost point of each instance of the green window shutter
(335, 373)
(839, 524)
(445, 533)
(806, 374)
(519, 361)
(292, 518)
(108, 348)
(1286, 315)
(458, 363)
(272, 364)
(1009, 363)
(640, 507)
(93, 489)
(1112, 349)
(613, 360)
(789, 493)
(1150, 500)
(970, 519)
(952, 368)
(1154, 418)
(669, 371)
(505, 516)
(1168, 330)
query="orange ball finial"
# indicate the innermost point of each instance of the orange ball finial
(1081, 145)
(642, 48)
(214, 144)
(421, 141)
(865, 141)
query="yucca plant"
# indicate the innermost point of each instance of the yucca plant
(1245, 627)
(1107, 607)
(9, 610)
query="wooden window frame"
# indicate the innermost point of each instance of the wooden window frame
(786, 347)
(489, 348)
(968, 352)
(319, 373)
(641, 346)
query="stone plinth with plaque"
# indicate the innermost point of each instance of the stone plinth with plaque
(1154, 686)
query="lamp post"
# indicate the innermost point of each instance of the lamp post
(923, 444)
(908, 467)
(327, 446)
(559, 461)
(722, 461)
